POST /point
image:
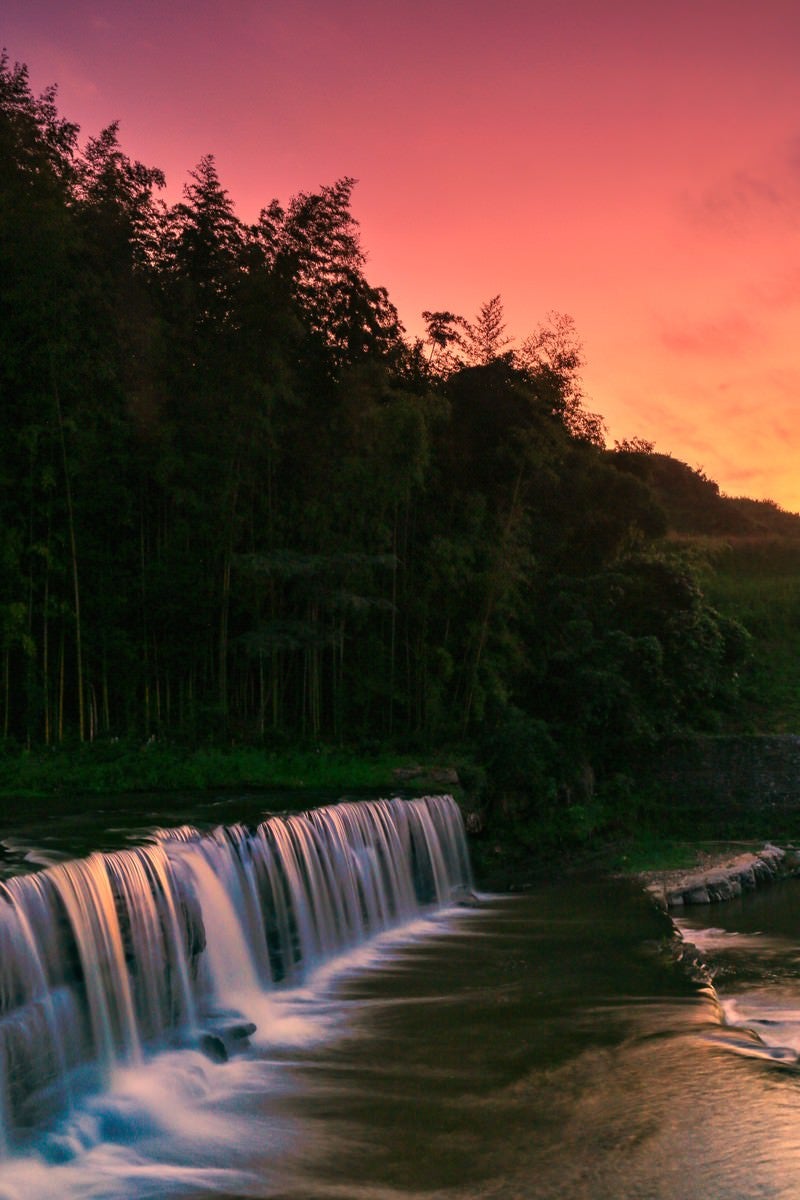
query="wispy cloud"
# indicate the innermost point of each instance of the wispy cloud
(779, 291)
(751, 196)
(727, 335)
(742, 197)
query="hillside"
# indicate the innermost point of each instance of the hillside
(750, 556)
(694, 504)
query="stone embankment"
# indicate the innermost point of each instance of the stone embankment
(722, 880)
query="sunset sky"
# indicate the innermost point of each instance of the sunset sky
(636, 165)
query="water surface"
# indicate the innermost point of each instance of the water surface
(538, 1046)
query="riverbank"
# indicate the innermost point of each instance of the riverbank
(114, 767)
(721, 873)
(666, 868)
(50, 779)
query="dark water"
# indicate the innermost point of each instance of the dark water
(37, 832)
(544, 1047)
(539, 1046)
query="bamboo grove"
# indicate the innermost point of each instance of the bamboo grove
(237, 502)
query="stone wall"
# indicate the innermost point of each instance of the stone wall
(751, 781)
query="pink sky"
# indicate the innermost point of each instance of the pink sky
(634, 164)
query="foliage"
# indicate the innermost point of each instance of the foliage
(238, 507)
(757, 580)
(693, 503)
(108, 767)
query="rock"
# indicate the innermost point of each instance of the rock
(403, 774)
(445, 776)
(227, 1034)
(238, 1032)
(441, 776)
(747, 879)
(762, 871)
(718, 886)
(727, 880)
(465, 898)
(473, 823)
(212, 1045)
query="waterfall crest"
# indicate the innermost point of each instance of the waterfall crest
(174, 942)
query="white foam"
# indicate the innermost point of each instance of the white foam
(188, 934)
(178, 1123)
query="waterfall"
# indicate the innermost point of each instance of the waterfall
(108, 959)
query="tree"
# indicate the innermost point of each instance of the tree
(485, 336)
(634, 445)
(38, 249)
(205, 242)
(119, 193)
(232, 500)
(319, 250)
(553, 357)
(445, 338)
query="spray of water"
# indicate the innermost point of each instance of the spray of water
(133, 984)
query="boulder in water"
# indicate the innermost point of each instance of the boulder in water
(465, 898)
(240, 1032)
(226, 1035)
(212, 1045)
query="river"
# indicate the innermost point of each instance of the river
(536, 1046)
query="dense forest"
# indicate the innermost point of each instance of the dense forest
(238, 503)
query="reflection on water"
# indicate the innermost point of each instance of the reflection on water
(541, 1046)
(548, 1047)
(753, 955)
(117, 969)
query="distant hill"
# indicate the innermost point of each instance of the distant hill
(693, 503)
(751, 556)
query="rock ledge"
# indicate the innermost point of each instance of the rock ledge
(723, 880)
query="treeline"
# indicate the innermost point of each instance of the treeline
(237, 502)
(693, 503)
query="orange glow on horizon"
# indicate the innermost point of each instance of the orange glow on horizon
(636, 167)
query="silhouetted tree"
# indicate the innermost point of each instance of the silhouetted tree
(235, 503)
(485, 336)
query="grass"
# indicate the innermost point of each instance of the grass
(667, 854)
(111, 767)
(756, 580)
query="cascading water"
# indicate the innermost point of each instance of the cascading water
(183, 941)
